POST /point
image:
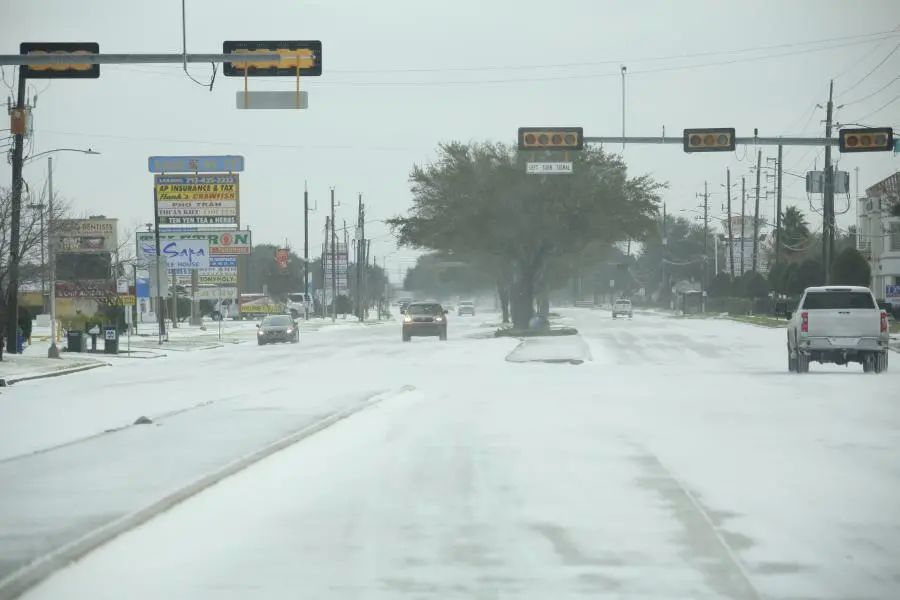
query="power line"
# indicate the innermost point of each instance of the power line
(881, 89)
(579, 76)
(875, 68)
(879, 109)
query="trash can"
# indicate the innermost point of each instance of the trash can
(75, 341)
(110, 340)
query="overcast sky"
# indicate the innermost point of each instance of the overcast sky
(401, 76)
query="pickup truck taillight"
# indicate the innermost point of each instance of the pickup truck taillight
(884, 322)
(804, 322)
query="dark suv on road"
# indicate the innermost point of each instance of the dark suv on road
(423, 319)
(277, 328)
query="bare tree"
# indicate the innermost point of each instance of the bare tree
(33, 235)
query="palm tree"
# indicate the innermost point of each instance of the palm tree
(795, 230)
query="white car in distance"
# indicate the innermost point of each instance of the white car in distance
(622, 307)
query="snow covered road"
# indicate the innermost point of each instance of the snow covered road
(682, 461)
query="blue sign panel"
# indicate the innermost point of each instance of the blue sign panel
(143, 287)
(892, 291)
(196, 164)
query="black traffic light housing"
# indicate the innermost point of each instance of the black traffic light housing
(873, 139)
(716, 139)
(551, 138)
(60, 71)
(245, 50)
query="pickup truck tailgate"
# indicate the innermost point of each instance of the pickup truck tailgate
(847, 323)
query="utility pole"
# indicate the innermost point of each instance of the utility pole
(756, 212)
(12, 300)
(705, 243)
(665, 283)
(359, 256)
(368, 247)
(333, 262)
(778, 210)
(743, 217)
(730, 235)
(828, 208)
(623, 107)
(306, 250)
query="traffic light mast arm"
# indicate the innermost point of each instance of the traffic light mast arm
(759, 141)
(126, 59)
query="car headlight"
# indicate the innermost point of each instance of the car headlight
(260, 332)
(438, 319)
(407, 319)
(290, 331)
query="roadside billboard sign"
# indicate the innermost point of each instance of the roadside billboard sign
(196, 164)
(221, 243)
(199, 199)
(85, 235)
(216, 293)
(87, 288)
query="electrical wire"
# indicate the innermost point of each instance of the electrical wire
(879, 109)
(875, 68)
(571, 76)
(879, 90)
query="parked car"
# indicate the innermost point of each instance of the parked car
(403, 303)
(277, 328)
(465, 307)
(424, 319)
(838, 324)
(622, 307)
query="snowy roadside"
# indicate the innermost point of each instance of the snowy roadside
(23, 367)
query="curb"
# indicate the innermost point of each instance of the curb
(8, 381)
(17, 582)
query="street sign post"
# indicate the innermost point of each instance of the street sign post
(271, 100)
(548, 168)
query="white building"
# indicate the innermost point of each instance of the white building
(878, 225)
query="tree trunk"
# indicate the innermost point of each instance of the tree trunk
(523, 299)
(543, 304)
(503, 292)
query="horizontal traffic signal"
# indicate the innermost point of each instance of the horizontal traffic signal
(876, 139)
(551, 138)
(73, 70)
(307, 55)
(720, 139)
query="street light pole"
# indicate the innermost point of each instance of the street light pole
(53, 352)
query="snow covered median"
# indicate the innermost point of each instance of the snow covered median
(570, 348)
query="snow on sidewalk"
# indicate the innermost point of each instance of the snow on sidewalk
(20, 367)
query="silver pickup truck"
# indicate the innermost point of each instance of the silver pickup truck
(840, 325)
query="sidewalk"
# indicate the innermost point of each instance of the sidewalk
(35, 365)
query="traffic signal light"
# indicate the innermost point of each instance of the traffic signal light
(307, 54)
(719, 139)
(551, 138)
(73, 70)
(876, 139)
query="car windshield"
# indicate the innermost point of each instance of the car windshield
(637, 192)
(425, 309)
(838, 299)
(277, 321)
